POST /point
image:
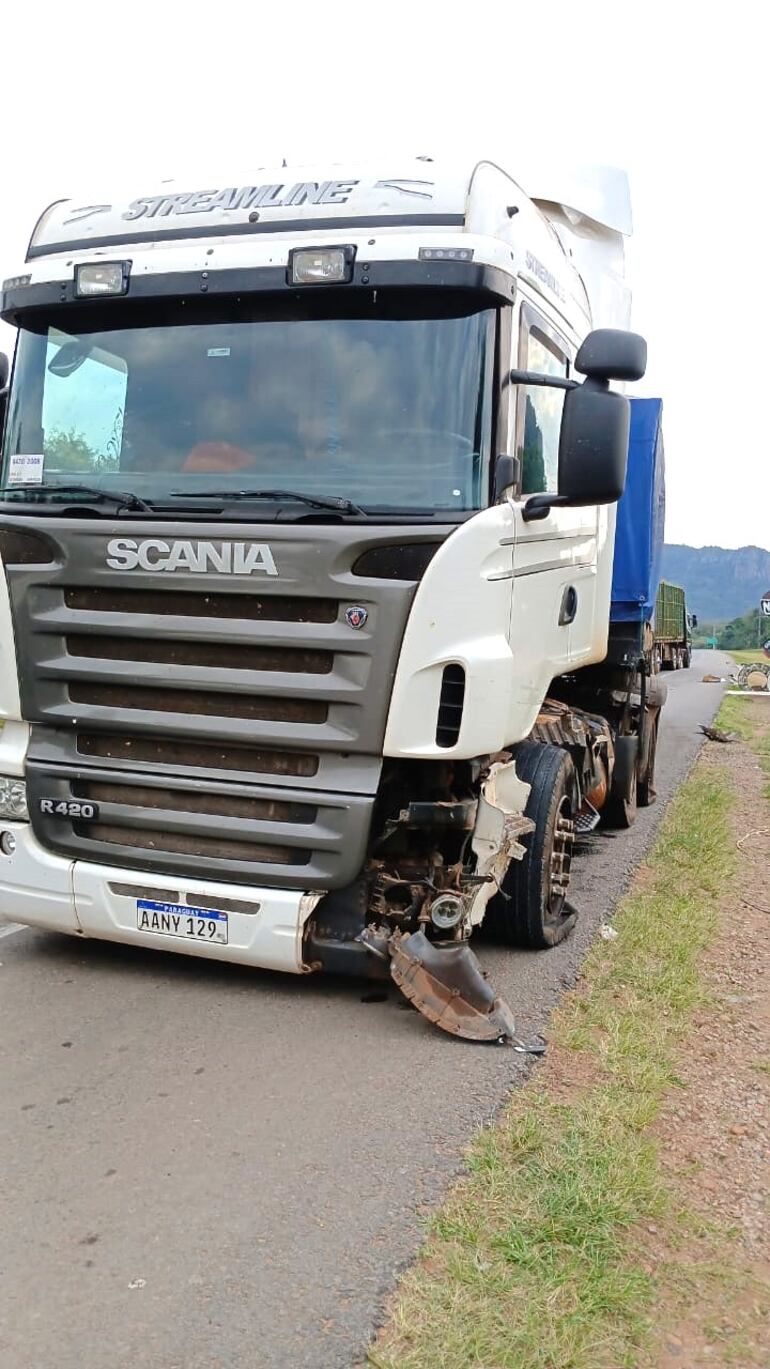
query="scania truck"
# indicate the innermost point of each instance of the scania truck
(307, 526)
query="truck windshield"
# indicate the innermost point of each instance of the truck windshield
(386, 402)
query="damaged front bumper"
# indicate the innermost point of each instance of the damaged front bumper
(394, 922)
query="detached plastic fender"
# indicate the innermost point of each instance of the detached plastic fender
(657, 692)
(626, 761)
(446, 985)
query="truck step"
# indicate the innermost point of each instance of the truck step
(586, 819)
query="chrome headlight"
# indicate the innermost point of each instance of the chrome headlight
(13, 799)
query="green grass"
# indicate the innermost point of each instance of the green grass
(735, 715)
(535, 1261)
(749, 720)
(749, 657)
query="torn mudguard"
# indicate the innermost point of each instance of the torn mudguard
(445, 981)
(441, 979)
(446, 984)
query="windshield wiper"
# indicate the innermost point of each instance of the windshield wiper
(315, 501)
(121, 499)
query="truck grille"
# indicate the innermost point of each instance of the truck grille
(227, 725)
(178, 843)
(197, 846)
(174, 801)
(226, 831)
(206, 654)
(182, 754)
(199, 702)
(187, 604)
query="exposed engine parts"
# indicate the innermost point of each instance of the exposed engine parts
(455, 844)
(435, 865)
(446, 911)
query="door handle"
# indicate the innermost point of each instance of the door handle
(569, 604)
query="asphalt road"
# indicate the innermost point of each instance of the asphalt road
(209, 1167)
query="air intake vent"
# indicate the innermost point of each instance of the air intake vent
(408, 562)
(20, 547)
(450, 709)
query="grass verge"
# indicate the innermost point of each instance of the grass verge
(534, 1262)
(735, 716)
(748, 657)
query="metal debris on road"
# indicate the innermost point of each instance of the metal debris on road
(715, 734)
(534, 1047)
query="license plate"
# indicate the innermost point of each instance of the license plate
(176, 919)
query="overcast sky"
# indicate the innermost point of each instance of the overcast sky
(99, 97)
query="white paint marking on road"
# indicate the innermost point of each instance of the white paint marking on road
(11, 928)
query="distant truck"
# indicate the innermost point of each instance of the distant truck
(673, 628)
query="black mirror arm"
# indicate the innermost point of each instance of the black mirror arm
(537, 378)
(539, 506)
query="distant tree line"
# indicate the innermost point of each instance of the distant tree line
(68, 450)
(742, 634)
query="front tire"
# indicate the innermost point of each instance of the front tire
(532, 909)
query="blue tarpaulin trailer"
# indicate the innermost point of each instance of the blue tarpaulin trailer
(640, 518)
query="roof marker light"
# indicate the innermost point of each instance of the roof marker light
(96, 278)
(446, 254)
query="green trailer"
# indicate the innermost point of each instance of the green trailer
(673, 628)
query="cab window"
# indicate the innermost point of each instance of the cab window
(539, 409)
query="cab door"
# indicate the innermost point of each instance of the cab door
(555, 558)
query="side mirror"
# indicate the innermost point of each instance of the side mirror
(593, 446)
(695, 620)
(593, 441)
(593, 451)
(612, 354)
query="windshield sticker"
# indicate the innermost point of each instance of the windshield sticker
(26, 468)
(218, 352)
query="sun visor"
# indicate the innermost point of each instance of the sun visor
(272, 201)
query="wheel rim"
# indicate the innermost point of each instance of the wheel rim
(560, 862)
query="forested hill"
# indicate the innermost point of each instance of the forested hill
(720, 583)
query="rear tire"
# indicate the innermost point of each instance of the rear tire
(532, 909)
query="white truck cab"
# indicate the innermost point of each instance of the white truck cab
(303, 511)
